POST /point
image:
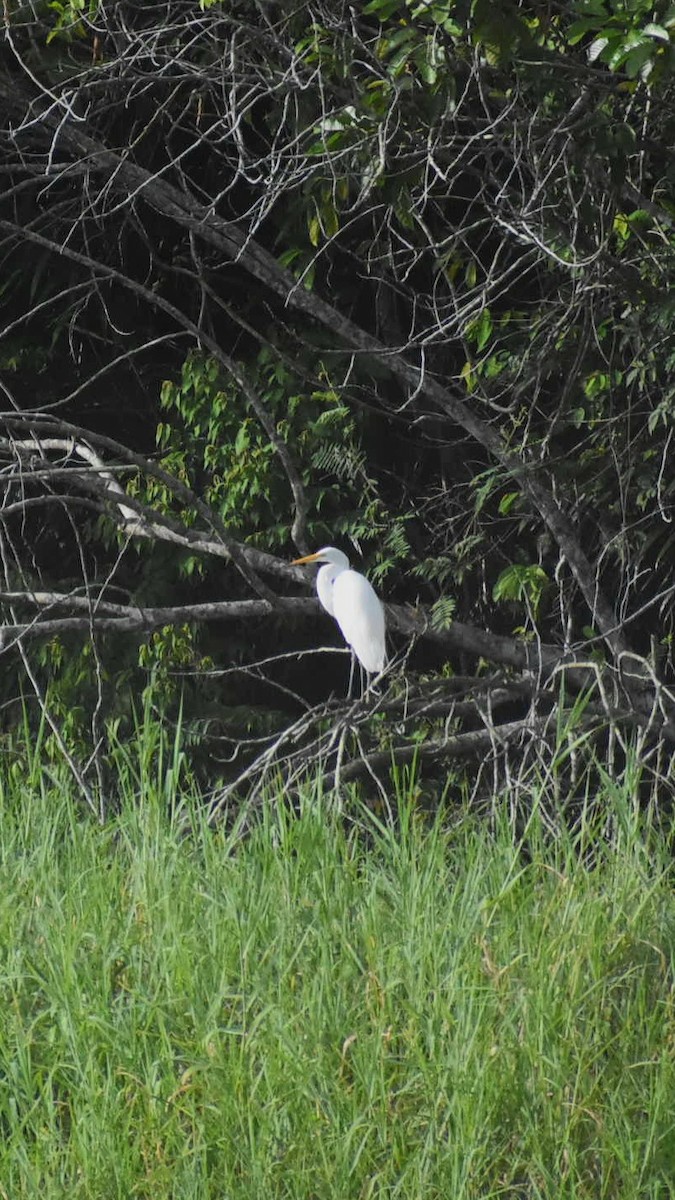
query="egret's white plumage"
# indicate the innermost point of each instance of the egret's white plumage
(351, 600)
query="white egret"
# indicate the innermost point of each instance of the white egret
(351, 600)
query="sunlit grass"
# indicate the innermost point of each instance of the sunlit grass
(326, 1012)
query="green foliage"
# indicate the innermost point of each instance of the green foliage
(219, 447)
(438, 570)
(500, 31)
(482, 188)
(70, 16)
(167, 656)
(212, 440)
(76, 683)
(442, 612)
(637, 38)
(424, 1011)
(409, 53)
(522, 584)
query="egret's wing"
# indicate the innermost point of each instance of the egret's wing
(360, 615)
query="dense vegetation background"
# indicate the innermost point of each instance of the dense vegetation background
(393, 275)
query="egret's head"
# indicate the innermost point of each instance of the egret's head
(329, 554)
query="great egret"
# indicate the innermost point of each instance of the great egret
(350, 598)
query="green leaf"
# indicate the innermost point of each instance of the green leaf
(658, 32)
(442, 613)
(402, 37)
(467, 374)
(331, 223)
(519, 582)
(289, 256)
(621, 226)
(426, 69)
(580, 28)
(382, 9)
(596, 48)
(638, 59)
(242, 440)
(506, 503)
(483, 328)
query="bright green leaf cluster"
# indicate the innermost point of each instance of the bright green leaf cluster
(628, 37)
(69, 14)
(522, 584)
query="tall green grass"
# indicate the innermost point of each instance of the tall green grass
(325, 1011)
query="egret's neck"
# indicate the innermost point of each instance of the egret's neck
(324, 584)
